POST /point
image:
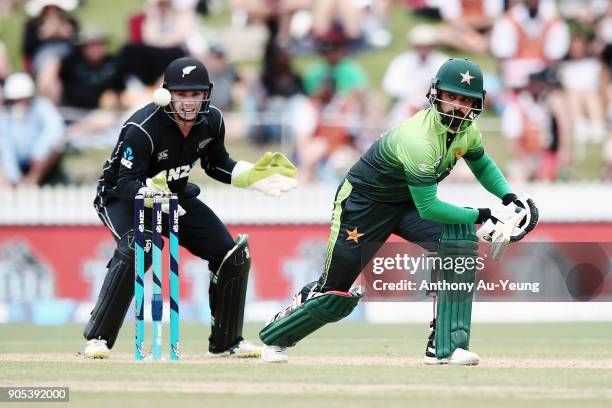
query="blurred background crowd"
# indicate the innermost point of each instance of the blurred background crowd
(317, 79)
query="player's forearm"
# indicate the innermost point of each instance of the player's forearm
(489, 176)
(432, 209)
(126, 190)
(221, 170)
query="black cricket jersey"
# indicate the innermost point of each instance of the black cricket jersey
(150, 141)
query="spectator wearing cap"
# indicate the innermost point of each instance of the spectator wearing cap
(537, 129)
(467, 23)
(528, 38)
(86, 84)
(49, 33)
(408, 76)
(31, 132)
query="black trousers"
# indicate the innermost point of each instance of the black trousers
(201, 232)
(358, 221)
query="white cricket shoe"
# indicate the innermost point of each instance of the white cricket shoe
(242, 349)
(459, 357)
(463, 357)
(274, 354)
(96, 348)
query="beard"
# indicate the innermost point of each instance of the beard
(452, 121)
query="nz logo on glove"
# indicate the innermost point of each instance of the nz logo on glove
(127, 158)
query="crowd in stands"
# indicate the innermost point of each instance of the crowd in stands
(550, 84)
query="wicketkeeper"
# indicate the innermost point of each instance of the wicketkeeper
(156, 151)
(392, 189)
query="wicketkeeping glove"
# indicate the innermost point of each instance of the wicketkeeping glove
(273, 174)
(158, 184)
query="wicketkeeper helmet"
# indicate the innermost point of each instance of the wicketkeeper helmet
(189, 74)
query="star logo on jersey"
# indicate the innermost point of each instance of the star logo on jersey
(437, 162)
(424, 167)
(187, 70)
(354, 235)
(466, 77)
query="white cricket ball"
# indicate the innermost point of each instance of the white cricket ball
(161, 97)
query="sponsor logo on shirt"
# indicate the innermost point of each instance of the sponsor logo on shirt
(163, 155)
(178, 173)
(127, 158)
(424, 167)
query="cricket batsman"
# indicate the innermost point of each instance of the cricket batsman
(156, 151)
(392, 189)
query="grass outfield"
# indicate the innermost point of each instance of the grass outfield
(349, 364)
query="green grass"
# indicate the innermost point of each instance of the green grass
(391, 376)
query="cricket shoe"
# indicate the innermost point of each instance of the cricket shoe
(459, 357)
(242, 349)
(274, 354)
(96, 349)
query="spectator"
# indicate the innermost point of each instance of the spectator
(528, 38)
(9, 6)
(374, 17)
(585, 11)
(31, 132)
(49, 33)
(5, 66)
(604, 41)
(86, 84)
(468, 23)
(159, 34)
(348, 75)
(223, 75)
(604, 38)
(275, 14)
(407, 79)
(273, 98)
(331, 14)
(86, 76)
(326, 130)
(537, 129)
(581, 76)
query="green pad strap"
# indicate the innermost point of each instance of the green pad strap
(454, 307)
(313, 314)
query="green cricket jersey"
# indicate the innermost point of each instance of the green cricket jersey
(406, 164)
